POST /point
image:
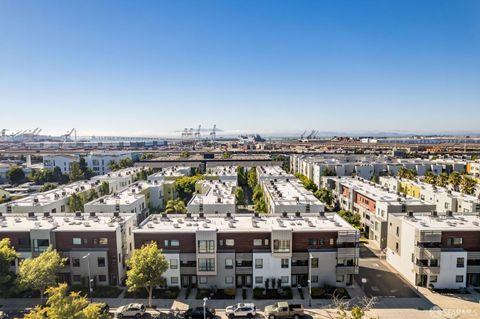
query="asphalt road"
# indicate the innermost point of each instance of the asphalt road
(381, 281)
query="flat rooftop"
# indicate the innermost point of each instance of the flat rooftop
(273, 171)
(62, 222)
(377, 193)
(125, 196)
(126, 172)
(221, 171)
(217, 192)
(456, 222)
(174, 171)
(51, 196)
(244, 223)
(289, 192)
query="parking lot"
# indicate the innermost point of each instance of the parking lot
(381, 281)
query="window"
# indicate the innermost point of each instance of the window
(62, 208)
(459, 278)
(40, 245)
(314, 262)
(206, 264)
(203, 279)
(397, 232)
(454, 241)
(229, 242)
(76, 262)
(460, 262)
(103, 241)
(265, 242)
(166, 243)
(314, 279)
(340, 278)
(433, 262)
(281, 246)
(258, 279)
(173, 263)
(228, 263)
(77, 241)
(206, 246)
(174, 280)
(433, 279)
(77, 278)
(257, 242)
(258, 263)
(284, 262)
(229, 280)
(101, 261)
(312, 242)
(284, 279)
(174, 243)
(102, 278)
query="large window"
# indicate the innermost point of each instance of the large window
(40, 245)
(258, 263)
(206, 246)
(314, 262)
(101, 261)
(228, 263)
(454, 241)
(206, 264)
(285, 262)
(281, 246)
(257, 242)
(258, 279)
(229, 242)
(76, 241)
(460, 262)
(173, 263)
(459, 278)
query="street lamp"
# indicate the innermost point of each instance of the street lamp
(204, 308)
(90, 286)
(309, 292)
(364, 281)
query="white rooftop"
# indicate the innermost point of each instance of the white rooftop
(244, 223)
(289, 192)
(175, 171)
(456, 222)
(215, 190)
(268, 171)
(221, 171)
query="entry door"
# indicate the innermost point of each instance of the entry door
(248, 281)
(239, 281)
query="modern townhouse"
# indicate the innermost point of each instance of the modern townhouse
(436, 250)
(243, 251)
(99, 162)
(64, 162)
(373, 203)
(213, 197)
(267, 172)
(222, 173)
(170, 173)
(53, 201)
(119, 179)
(443, 198)
(101, 242)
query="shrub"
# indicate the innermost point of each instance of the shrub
(230, 292)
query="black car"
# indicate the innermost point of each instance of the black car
(197, 313)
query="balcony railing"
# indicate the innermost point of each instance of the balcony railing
(347, 252)
(427, 252)
(425, 270)
(428, 237)
(346, 270)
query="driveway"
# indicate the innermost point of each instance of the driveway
(381, 280)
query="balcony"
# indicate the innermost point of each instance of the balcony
(428, 237)
(347, 270)
(350, 252)
(427, 252)
(426, 270)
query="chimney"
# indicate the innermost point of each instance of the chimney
(78, 214)
(92, 214)
(164, 215)
(201, 215)
(434, 213)
(285, 214)
(116, 214)
(256, 214)
(229, 215)
(297, 214)
(31, 214)
(410, 213)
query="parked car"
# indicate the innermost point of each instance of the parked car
(131, 310)
(283, 310)
(197, 313)
(241, 310)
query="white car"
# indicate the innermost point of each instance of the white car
(131, 310)
(241, 310)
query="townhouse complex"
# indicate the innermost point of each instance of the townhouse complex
(213, 197)
(373, 203)
(444, 199)
(101, 242)
(436, 250)
(243, 251)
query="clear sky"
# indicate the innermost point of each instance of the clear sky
(155, 67)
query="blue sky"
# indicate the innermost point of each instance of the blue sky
(155, 67)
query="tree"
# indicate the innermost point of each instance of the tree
(126, 162)
(7, 256)
(40, 272)
(147, 266)
(406, 173)
(455, 179)
(15, 175)
(113, 166)
(104, 188)
(185, 154)
(91, 195)
(226, 155)
(87, 172)
(307, 182)
(442, 180)
(47, 187)
(241, 178)
(430, 178)
(62, 304)
(325, 196)
(185, 186)
(175, 206)
(467, 185)
(58, 176)
(351, 218)
(259, 199)
(327, 171)
(252, 177)
(75, 203)
(76, 173)
(240, 196)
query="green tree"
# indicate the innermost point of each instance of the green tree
(406, 173)
(307, 182)
(467, 185)
(87, 172)
(40, 272)
(327, 171)
(15, 175)
(7, 256)
(76, 203)
(241, 178)
(91, 195)
(259, 199)
(252, 177)
(455, 179)
(325, 196)
(185, 186)
(240, 196)
(185, 154)
(113, 166)
(76, 173)
(104, 188)
(126, 162)
(226, 155)
(175, 206)
(147, 266)
(352, 218)
(47, 187)
(442, 180)
(430, 178)
(62, 304)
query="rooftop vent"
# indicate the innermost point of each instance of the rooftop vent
(92, 214)
(46, 214)
(116, 214)
(410, 213)
(31, 215)
(434, 213)
(449, 213)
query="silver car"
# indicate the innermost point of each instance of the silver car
(131, 310)
(241, 310)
